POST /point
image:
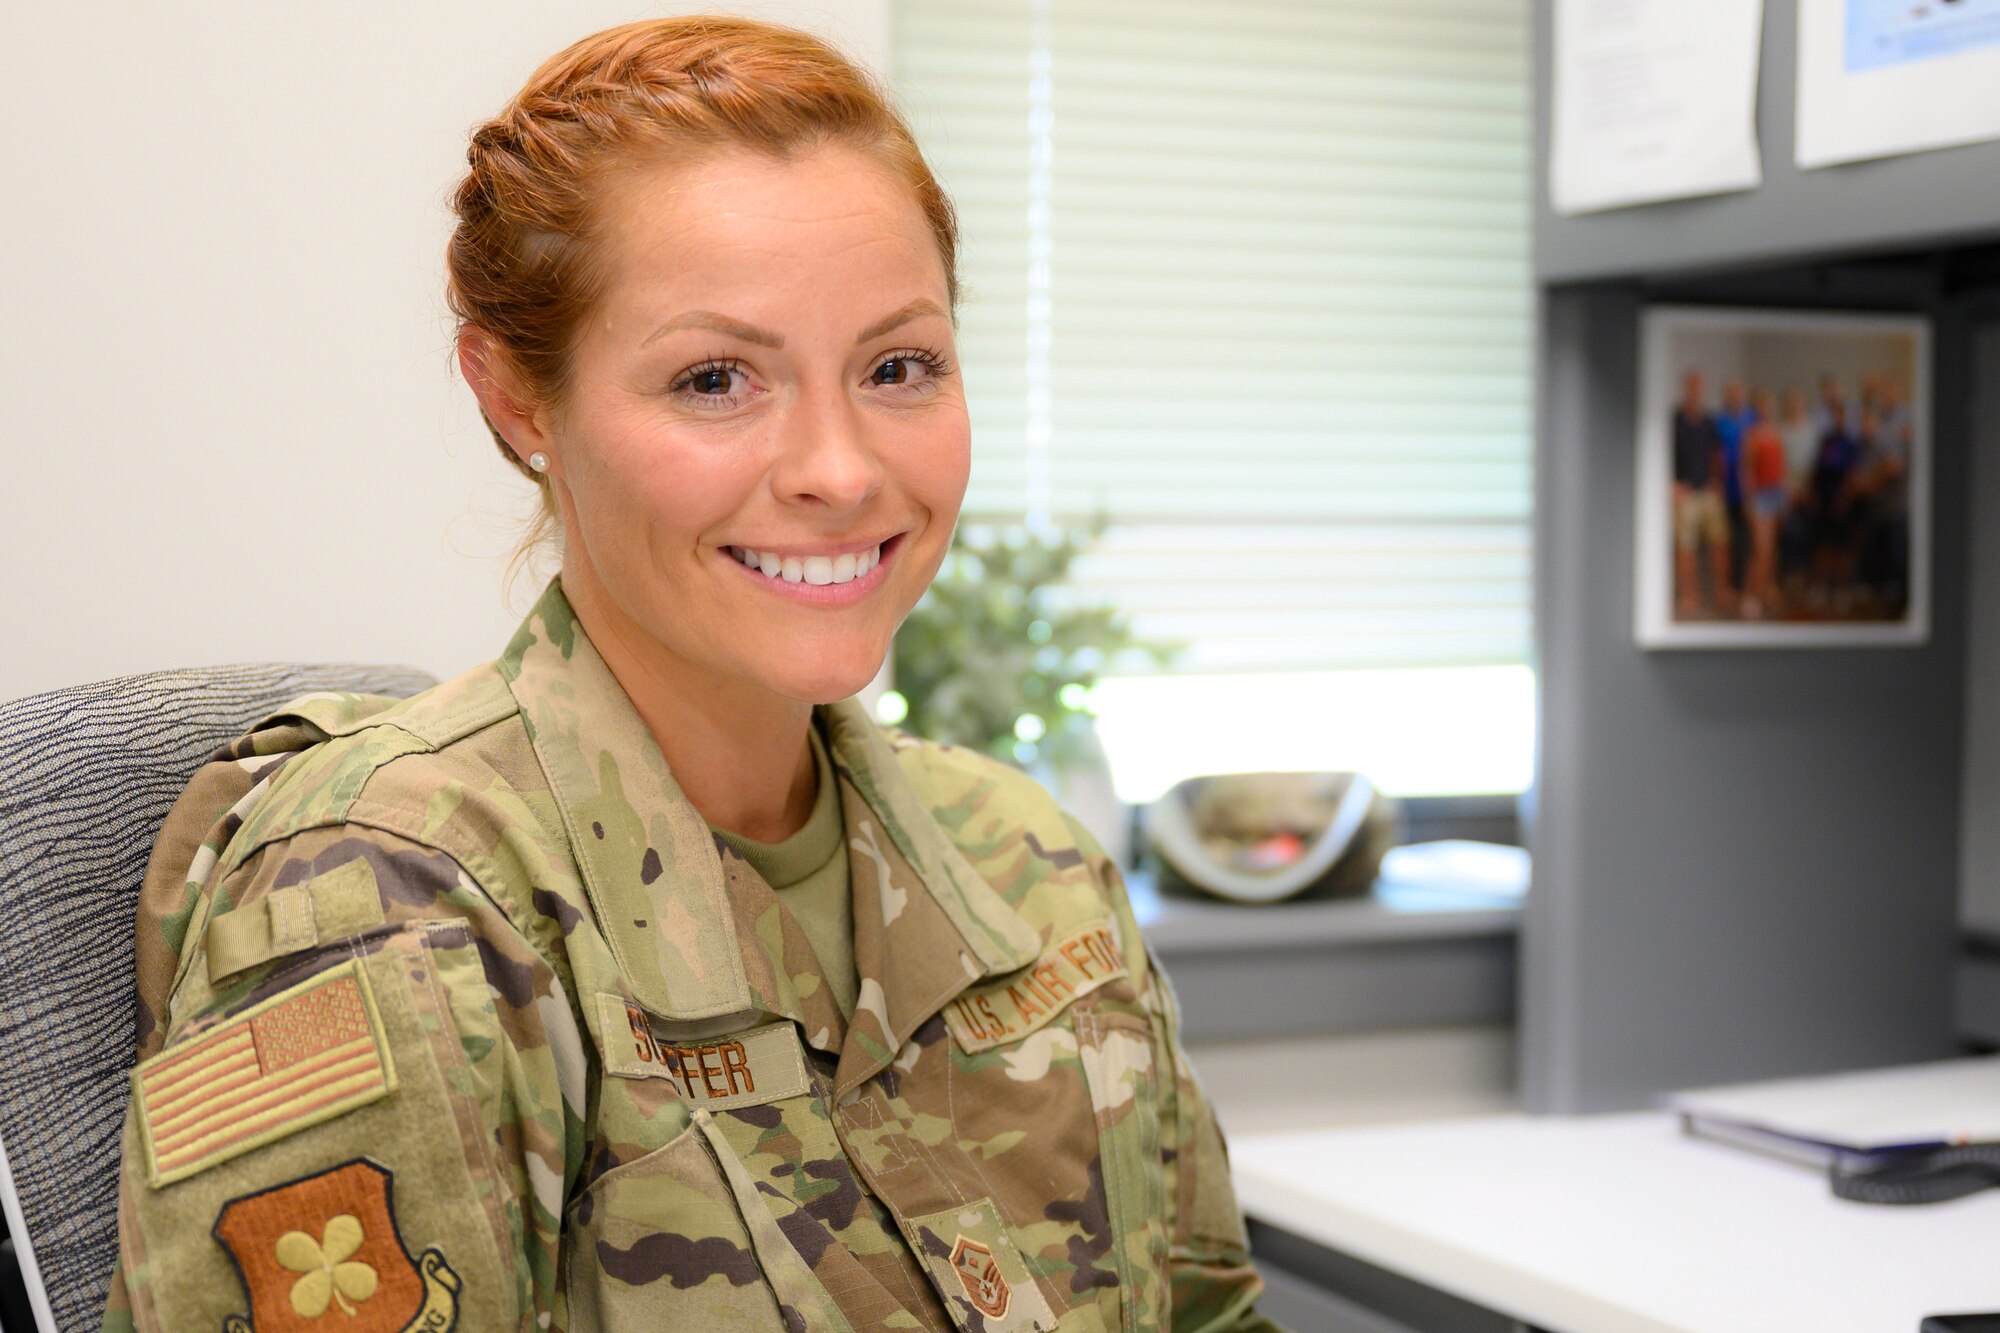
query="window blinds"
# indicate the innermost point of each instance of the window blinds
(1253, 280)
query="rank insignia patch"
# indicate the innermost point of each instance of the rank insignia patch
(329, 1243)
(978, 1272)
(980, 1276)
(301, 1057)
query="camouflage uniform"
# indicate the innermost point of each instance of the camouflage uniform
(462, 1017)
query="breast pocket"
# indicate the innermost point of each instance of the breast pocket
(1062, 1128)
(658, 1243)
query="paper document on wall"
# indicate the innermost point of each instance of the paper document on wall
(1883, 77)
(1654, 99)
(1857, 1114)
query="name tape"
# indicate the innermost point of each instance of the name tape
(1004, 1011)
(765, 1064)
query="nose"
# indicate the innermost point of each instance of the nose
(826, 456)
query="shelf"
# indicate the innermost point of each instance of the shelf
(1405, 956)
(1177, 925)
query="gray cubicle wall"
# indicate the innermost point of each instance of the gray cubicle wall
(1746, 863)
(1918, 201)
(1979, 804)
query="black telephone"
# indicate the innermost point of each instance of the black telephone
(1925, 1175)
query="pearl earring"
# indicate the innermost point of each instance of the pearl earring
(539, 461)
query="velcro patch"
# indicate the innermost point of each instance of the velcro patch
(342, 902)
(765, 1064)
(978, 1272)
(1004, 1011)
(330, 1242)
(296, 1060)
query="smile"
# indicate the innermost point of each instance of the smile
(822, 578)
(818, 570)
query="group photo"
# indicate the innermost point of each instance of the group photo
(1782, 477)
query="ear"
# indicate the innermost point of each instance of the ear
(502, 395)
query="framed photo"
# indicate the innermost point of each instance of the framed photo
(1784, 479)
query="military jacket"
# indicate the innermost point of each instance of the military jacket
(455, 1014)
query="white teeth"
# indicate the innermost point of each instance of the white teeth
(818, 570)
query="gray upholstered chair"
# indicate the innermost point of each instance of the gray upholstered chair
(86, 778)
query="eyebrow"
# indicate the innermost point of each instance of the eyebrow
(708, 319)
(736, 328)
(923, 305)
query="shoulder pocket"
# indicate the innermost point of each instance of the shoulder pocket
(321, 1127)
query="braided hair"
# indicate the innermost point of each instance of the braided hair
(522, 264)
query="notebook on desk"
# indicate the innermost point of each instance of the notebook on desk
(1856, 1119)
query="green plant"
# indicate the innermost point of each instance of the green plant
(1000, 655)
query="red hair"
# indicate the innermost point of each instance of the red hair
(521, 265)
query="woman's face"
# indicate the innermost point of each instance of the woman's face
(764, 444)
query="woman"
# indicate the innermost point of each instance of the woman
(1764, 470)
(636, 979)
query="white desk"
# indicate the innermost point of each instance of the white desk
(1618, 1224)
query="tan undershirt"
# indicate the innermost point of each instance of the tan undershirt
(809, 872)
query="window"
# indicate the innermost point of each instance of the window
(1253, 280)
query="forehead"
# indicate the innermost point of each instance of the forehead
(716, 220)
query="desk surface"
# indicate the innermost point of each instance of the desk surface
(1619, 1224)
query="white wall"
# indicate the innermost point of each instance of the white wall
(235, 431)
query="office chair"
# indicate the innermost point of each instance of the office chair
(87, 776)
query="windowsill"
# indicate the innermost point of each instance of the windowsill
(1401, 958)
(1176, 925)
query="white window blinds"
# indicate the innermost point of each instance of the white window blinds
(1252, 278)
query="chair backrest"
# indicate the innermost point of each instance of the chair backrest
(87, 776)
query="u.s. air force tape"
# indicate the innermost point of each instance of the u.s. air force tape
(1007, 1010)
(765, 1064)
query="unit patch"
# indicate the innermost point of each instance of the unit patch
(765, 1064)
(329, 1242)
(1004, 1011)
(973, 1264)
(298, 1059)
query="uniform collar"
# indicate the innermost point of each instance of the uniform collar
(650, 864)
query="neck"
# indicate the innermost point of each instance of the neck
(738, 751)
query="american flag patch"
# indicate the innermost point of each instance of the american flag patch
(299, 1058)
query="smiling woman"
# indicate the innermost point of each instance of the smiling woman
(637, 978)
(797, 401)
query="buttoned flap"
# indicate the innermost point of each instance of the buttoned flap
(658, 1242)
(319, 1121)
(714, 1152)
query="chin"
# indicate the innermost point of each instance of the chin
(828, 682)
